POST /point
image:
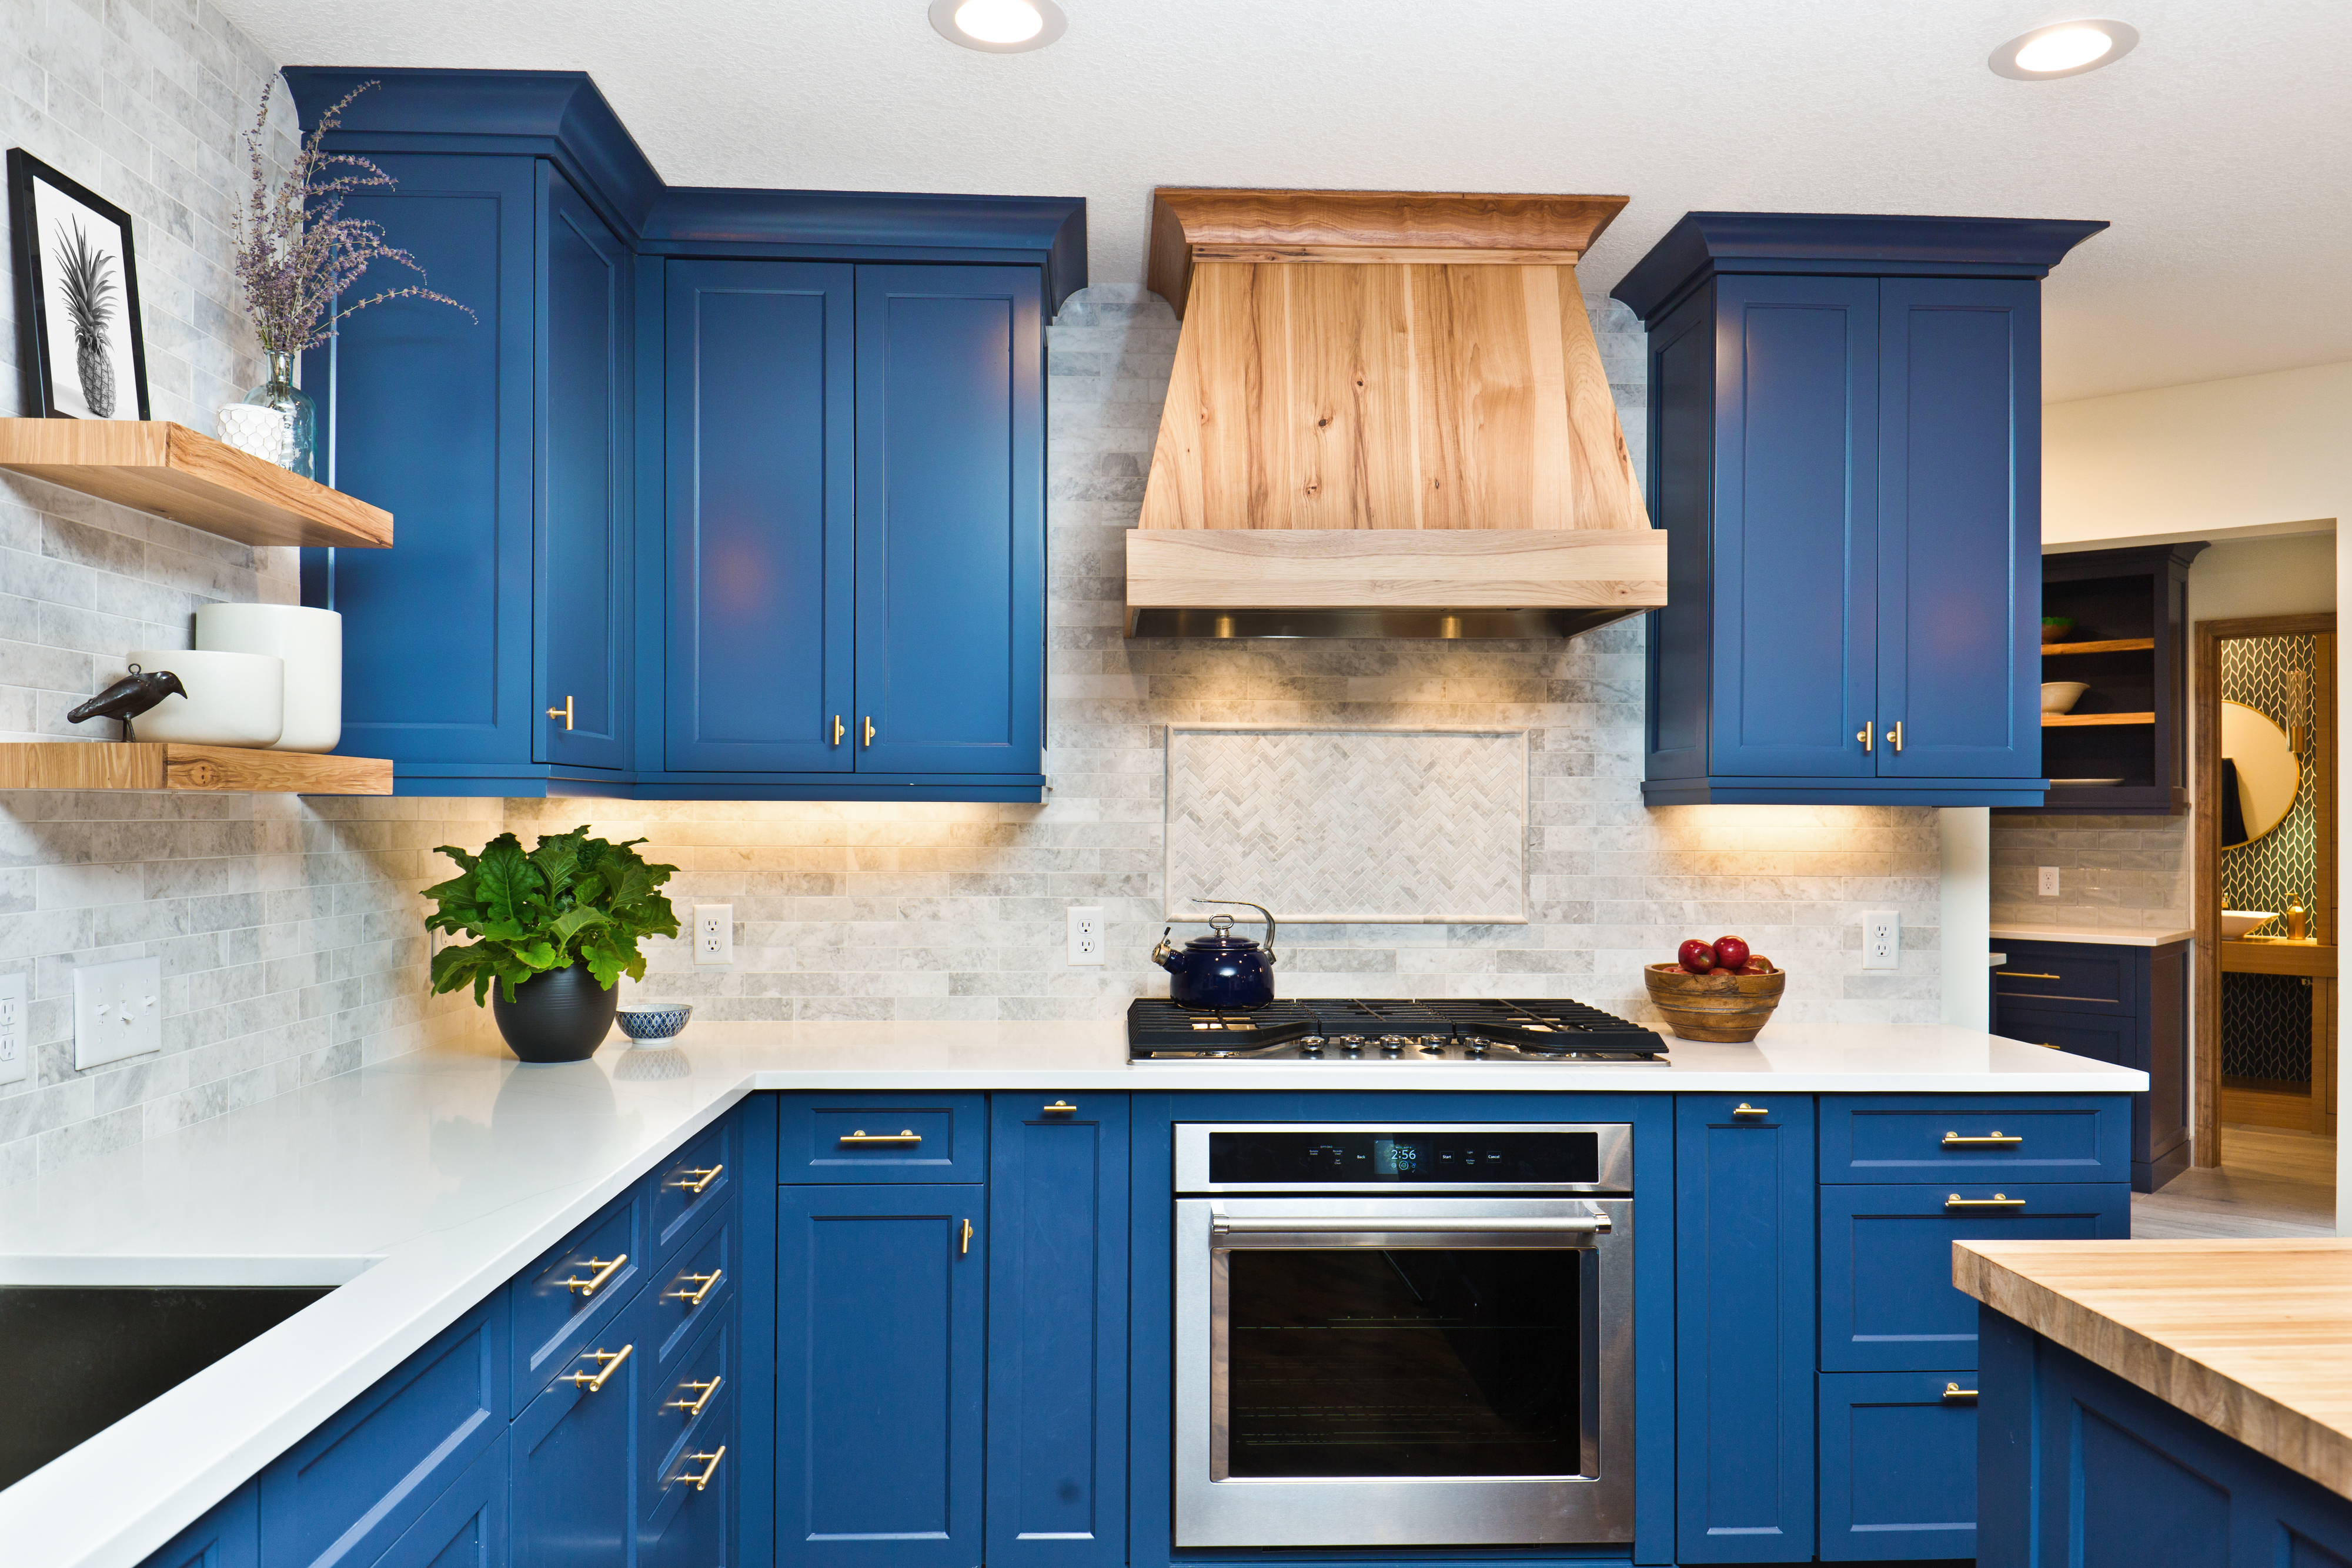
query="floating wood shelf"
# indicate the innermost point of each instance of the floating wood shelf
(171, 765)
(173, 472)
(2114, 645)
(2068, 720)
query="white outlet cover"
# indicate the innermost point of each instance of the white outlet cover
(118, 1011)
(14, 1054)
(714, 934)
(1882, 939)
(1086, 935)
(2047, 881)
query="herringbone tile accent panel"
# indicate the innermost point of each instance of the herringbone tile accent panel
(1350, 826)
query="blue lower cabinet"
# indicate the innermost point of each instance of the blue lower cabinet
(350, 1490)
(569, 1296)
(677, 1395)
(571, 1448)
(1898, 1465)
(880, 1324)
(227, 1537)
(1057, 1331)
(690, 1512)
(1886, 1298)
(1743, 1328)
(466, 1526)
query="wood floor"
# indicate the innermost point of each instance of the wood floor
(2271, 1182)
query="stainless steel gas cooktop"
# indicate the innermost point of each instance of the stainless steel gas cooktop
(1353, 1030)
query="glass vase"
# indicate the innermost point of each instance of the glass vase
(301, 451)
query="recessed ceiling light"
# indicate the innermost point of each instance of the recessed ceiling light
(998, 27)
(2064, 49)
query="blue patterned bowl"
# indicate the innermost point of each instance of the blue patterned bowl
(657, 1021)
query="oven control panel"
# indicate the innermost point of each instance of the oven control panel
(1291, 1159)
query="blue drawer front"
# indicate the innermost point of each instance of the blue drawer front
(466, 1526)
(571, 1447)
(1888, 1300)
(553, 1317)
(690, 1187)
(684, 1296)
(689, 1517)
(934, 1138)
(1927, 1138)
(350, 1490)
(1898, 1465)
(702, 1374)
(2095, 975)
(227, 1537)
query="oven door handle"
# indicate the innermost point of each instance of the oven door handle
(1251, 1224)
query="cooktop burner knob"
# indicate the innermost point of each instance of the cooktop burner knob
(1433, 1039)
(1311, 1046)
(1474, 1046)
(1428, 1049)
(1352, 1042)
(1390, 1044)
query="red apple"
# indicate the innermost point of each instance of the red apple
(1730, 952)
(1696, 957)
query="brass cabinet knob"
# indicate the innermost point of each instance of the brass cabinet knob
(563, 713)
(693, 1181)
(1061, 1108)
(1745, 1109)
(709, 1463)
(704, 1284)
(594, 1381)
(604, 1268)
(837, 731)
(693, 1407)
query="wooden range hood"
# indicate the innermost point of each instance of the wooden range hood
(1388, 418)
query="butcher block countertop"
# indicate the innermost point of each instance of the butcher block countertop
(2252, 1337)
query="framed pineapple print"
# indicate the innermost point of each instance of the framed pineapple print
(78, 343)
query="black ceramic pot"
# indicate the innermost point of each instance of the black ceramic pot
(561, 1016)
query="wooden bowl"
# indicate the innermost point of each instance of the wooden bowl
(1727, 1010)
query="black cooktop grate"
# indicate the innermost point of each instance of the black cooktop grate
(1532, 1028)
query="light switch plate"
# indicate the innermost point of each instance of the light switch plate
(13, 1051)
(714, 933)
(118, 1011)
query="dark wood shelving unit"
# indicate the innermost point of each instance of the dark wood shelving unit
(2129, 644)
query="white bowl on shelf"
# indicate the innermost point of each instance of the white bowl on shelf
(2060, 696)
(2236, 922)
(309, 641)
(234, 699)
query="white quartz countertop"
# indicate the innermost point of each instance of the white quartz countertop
(2105, 935)
(422, 1184)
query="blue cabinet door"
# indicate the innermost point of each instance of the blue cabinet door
(466, 1525)
(689, 1521)
(761, 441)
(1744, 1329)
(581, 656)
(1959, 575)
(428, 414)
(573, 1476)
(1898, 1465)
(880, 1304)
(951, 519)
(227, 1537)
(1057, 1331)
(1796, 526)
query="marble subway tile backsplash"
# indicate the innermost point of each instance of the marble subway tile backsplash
(2117, 872)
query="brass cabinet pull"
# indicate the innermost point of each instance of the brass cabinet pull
(594, 1381)
(869, 729)
(1895, 734)
(694, 1298)
(1864, 733)
(2023, 975)
(563, 713)
(965, 1249)
(693, 1407)
(862, 1136)
(693, 1181)
(1956, 1395)
(1061, 1108)
(1745, 1109)
(1998, 1200)
(709, 1467)
(837, 731)
(1996, 1139)
(604, 1268)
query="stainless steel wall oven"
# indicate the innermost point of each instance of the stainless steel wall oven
(1409, 1335)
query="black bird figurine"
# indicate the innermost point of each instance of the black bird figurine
(129, 697)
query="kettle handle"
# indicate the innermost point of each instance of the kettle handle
(1263, 913)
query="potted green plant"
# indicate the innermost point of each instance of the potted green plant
(555, 930)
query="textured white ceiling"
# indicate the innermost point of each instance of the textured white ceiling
(2220, 149)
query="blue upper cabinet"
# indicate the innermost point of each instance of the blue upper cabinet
(762, 449)
(723, 495)
(950, 520)
(1844, 446)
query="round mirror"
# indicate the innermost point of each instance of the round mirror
(2267, 774)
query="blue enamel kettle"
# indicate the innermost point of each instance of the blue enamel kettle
(1220, 970)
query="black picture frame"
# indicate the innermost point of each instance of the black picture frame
(37, 283)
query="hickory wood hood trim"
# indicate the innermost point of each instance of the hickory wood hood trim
(1387, 416)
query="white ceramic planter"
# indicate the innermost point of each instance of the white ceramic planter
(234, 699)
(310, 641)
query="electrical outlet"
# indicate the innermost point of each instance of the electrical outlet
(1882, 939)
(1086, 935)
(2048, 885)
(13, 1050)
(118, 1011)
(714, 933)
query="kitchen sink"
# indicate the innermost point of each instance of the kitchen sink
(74, 1359)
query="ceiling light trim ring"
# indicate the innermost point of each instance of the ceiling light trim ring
(2121, 37)
(1053, 25)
